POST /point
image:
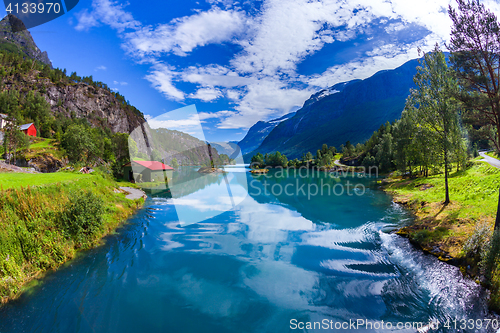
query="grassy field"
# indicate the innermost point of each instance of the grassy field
(444, 230)
(473, 194)
(17, 180)
(42, 146)
(43, 227)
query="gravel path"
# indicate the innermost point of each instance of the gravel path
(4, 167)
(490, 160)
(133, 193)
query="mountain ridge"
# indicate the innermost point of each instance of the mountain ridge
(258, 132)
(348, 111)
(13, 34)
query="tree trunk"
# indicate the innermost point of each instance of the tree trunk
(497, 221)
(447, 196)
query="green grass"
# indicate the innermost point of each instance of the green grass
(473, 192)
(17, 180)
(43, 146)
(474, 195)
(493, 154)
(33, 235)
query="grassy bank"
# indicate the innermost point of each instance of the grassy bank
(44, 226)
(448, 231)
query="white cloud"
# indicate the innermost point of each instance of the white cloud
(217, 115)
(121, 83)
(215, 76)
(206, 94)
(161, 77)
(183, 35)
(174, 124)
(107, 12)
(264, 99)
(261, 79)
(100, 68)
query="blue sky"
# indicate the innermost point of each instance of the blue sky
(238, 61)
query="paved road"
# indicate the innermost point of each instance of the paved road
(133, 193)
(490, 160)
(337, 163)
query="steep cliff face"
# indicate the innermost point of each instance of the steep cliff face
(81, 100)
(15, 38)
(97, 105)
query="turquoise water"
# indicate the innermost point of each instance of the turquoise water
(271, 262)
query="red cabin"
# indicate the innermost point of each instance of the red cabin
(29, 129)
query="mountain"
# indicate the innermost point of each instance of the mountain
(164, 144)
(348, 111)
(68, 96)
(258, 132)
(16, 39)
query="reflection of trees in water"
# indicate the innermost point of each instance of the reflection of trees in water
(186, 181)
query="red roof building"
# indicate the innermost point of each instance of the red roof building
(147, 171)
(29, 129)
(154, 165)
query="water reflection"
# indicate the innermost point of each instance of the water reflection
(253, 268)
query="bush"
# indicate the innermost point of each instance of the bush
(82, 217)
(477, 245)
(492, 252)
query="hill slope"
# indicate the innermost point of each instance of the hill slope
(68, 96)
(347, 111)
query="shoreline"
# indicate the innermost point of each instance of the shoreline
(447, 250)
(124, 207)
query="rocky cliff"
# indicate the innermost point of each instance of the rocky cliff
(15, 38)
(68, 96)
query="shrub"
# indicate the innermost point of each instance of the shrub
(82, 217)
(477, 244)
(492, 252)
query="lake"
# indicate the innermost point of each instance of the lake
(240, 253)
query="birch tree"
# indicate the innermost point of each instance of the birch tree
(434, 108)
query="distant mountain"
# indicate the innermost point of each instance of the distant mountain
(164, 144)
(16, 39)
(347, 111)
(258, 132)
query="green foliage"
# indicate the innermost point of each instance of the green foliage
(477, 244)
(474, 191)
(42, 228)
(174, 163)
(257, 161)
(82, 217)
(490, 261)
(276, 160)
(475, 50)
(324, 158)
(433, 109)
(156, 156)
(77, 141)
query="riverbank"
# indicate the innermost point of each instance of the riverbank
(444, 230)
(45, 225)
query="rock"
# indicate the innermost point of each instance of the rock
(12, 30)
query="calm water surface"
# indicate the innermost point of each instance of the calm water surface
(270, 260)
